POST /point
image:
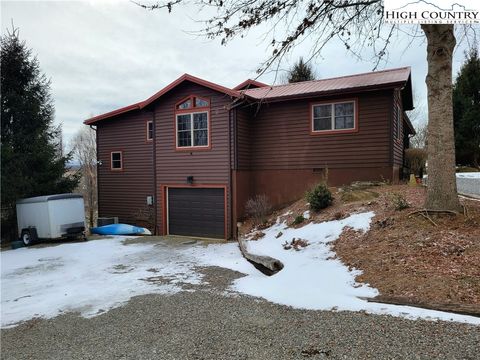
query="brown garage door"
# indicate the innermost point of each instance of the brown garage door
(196, 212)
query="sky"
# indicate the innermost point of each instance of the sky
(102, 55)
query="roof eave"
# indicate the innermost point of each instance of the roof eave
(327, 93)
(113, 113)
(187, 77)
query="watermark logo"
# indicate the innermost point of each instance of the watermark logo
(432, 12)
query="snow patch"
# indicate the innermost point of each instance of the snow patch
(95, 276)
(312, 277)
(89, 277)
(469, 175)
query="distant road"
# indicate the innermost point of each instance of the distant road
(469, 183)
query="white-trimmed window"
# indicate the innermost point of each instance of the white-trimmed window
(149, 130)
(338, 116)
(192, 129)
(116, 160)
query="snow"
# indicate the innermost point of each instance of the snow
(312, 278)
(306, 214)
(469, 175)
(93, 277)
(84, 277)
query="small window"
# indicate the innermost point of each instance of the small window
(199, 102)
(116, 160)
(149, 130)
(336, 116)
(185, 105)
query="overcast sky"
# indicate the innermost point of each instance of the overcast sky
(105, 55)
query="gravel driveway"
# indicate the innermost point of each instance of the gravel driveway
(206, 324)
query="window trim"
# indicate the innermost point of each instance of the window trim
(335, 131)
(121, 160)
(192, 147)
(192, 101)
(148, 132)
(191, 111)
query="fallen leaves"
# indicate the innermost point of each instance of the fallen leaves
(295, 244)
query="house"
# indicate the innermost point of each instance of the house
(193, 153)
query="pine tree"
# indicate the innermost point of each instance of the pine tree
(300, 72)
(32, 164)
(466, 111)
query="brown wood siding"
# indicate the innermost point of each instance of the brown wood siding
(243, 119)
(397, 138)
(123, 193)
(208, 167)
(280, 136)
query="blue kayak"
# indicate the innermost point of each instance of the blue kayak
(120, 229)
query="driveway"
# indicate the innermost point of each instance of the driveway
(204, 323)
(159, 298)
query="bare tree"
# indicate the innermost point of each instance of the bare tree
(419, 141)
(358, 24)
(85, 152)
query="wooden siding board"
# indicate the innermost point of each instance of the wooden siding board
(122, 193)
(279, 137)
(208, 167)
(397, 147)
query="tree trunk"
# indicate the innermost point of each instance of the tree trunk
(442, 186)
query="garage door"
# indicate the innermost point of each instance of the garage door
(196, 212)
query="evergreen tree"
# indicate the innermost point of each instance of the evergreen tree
(466, 111)
(32, 164)
(300, 72)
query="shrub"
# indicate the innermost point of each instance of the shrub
(319, 197)
(416, 159)
(298, 220)
(399, 201)
(258, 208)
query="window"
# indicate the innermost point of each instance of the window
(149, 130)
(192, 129)
(338, 116)
(191, 125)
(116, 160)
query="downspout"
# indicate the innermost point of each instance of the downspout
(390, 131)
(230, 185)
(154, 159)
(94, 128)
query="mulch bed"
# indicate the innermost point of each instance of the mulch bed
(409, 258)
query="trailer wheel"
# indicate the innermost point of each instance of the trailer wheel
(26, 237)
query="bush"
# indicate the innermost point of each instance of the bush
(298, 220)
(399, 202)
(258, 208)
(416, 159)
(319, 197)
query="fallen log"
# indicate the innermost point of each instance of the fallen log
(463, 309)
(265, 264)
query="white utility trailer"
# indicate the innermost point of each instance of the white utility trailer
(50, 217)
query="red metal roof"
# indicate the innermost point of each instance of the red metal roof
(249, 83)
(143, 104)
(365, 81)
(376, 79)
